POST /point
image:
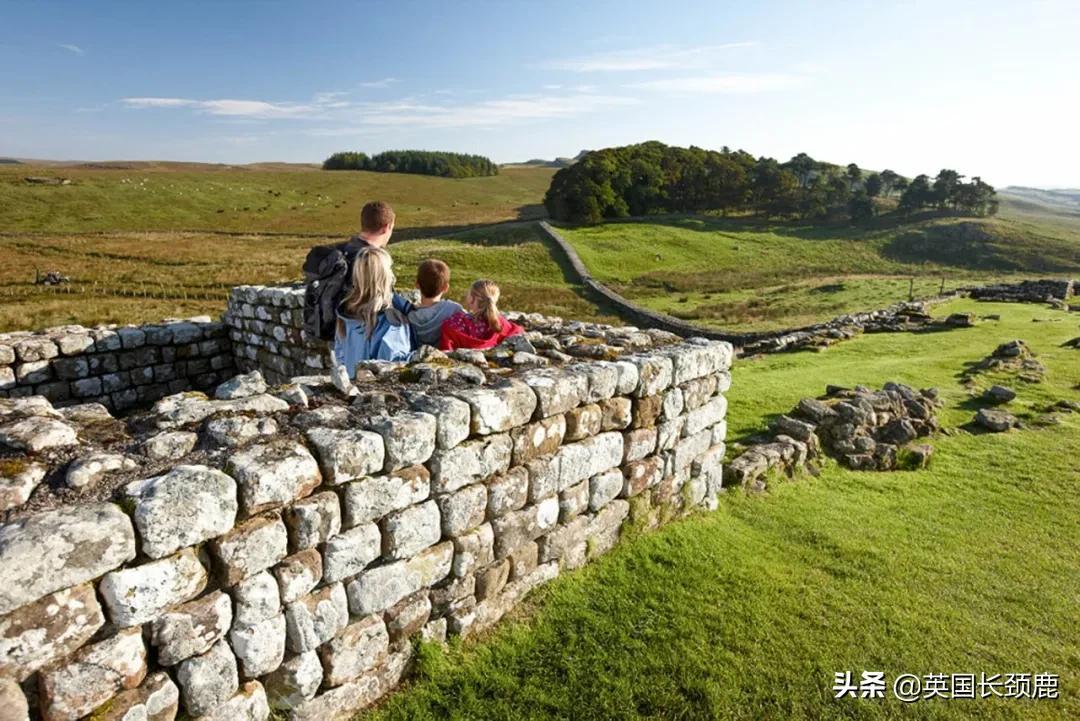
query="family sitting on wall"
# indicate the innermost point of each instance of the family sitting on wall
(373, 322)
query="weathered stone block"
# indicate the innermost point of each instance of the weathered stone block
(256, 599)
(690, 448)
(470, 462)
(298, 574)
(641, 474)
(523, 560)
(360, 647)
(500, 406)
(140, 594)
(452, 415)
(408, 436)
(259, 647)
(669, 433)
(37, 434)
(369, 499)
(347, 454)
(605, 526)
(48, 629)
(169, 445)
(407, 617)
(604, 488)
(186, 506)
(463, 509)
(296, 680)
(583, 422)
(701, 418)
(615, 414)
(209, 680)
(566, 541)
(638, 443)
(252, 546)
(409, 531)
(92, 676)
(58, 549)
(520, 527)
(347, 699)
(313, 520)
(273, 474)
(655, 374)
(157, 699)
(36, 349)
(672, 404)
(544, 479)
(191, 628)
(557, 391)
(248, 704)
(316, 618)
(586, 458)
(17, 484)
(573, 500)
(348, 553)
(537, 439)
(379, 588)
(646, 411)
(508, 492)
(603, 379)
(698, 391)
(233, 431)
(473, 550)
(451, 593)
(243, 385)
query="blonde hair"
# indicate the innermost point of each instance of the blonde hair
(372, 286)
(486, 295)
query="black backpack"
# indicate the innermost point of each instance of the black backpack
(326, 275)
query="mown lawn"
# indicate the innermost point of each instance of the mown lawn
(141, 277)
(970, 566)
(738, 274)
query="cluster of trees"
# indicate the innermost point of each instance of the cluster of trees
(656, 178)
(422, 162)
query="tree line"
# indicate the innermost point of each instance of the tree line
(421, 162)
(652, 177)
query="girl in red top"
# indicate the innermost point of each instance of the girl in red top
(483, 326)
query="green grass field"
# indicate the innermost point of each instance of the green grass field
(245, 199)
(744, 275)
(141, 277)
(746, 613)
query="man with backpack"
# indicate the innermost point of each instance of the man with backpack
(328, 270)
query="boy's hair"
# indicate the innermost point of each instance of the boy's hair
(433, 277)
(375, 216)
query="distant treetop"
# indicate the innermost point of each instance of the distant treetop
(421, 162)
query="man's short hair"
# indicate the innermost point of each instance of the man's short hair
(375, 216)
(433, 277)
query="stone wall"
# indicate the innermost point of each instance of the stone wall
(117, 366)
(278, 548)
(1026, 291)
(265, 326)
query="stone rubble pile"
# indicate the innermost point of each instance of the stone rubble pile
(1026, 291)
(1013, 357)
(861, 428)
(118, 367)
(279, 547)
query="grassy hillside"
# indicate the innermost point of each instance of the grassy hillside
(743, 275)
(250, 199)
(746, 613)
(132, 277)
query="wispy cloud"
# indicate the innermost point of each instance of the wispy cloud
(384, 83)
(488, 113)
(258, 109)
(72, 48)
(661, 57)
(723, 83)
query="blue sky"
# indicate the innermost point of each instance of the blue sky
(989, 88)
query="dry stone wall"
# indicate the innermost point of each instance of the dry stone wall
(117, 366)
(265, 325)
(282, 547)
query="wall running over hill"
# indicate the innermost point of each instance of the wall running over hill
(119, 367)
(293, 570)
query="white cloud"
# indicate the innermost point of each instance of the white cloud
(723, 83)
(72, 48)
(488, 113)
(662, 57)
(258, 109)
(384, 83)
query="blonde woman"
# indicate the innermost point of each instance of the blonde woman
(482, 326)
(372, 320)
